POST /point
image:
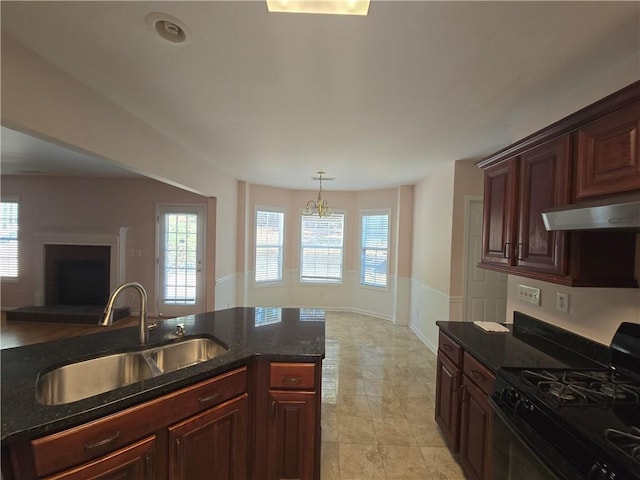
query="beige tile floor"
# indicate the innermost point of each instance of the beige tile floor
(377, 404)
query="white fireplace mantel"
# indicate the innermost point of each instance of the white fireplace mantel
(117, 241)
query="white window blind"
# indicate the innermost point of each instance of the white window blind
(321, 248)
(374, 250)
(269, 243)
(9, 239)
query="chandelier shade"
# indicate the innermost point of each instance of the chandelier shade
(319, 206)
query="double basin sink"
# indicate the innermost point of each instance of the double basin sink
(76, 381)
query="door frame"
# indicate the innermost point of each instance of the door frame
(163, 310)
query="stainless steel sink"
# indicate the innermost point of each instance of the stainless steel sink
(84, 379)
(184, 354)
(80, 380)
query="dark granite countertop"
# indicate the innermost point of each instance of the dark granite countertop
(529, 343)
(279, 334)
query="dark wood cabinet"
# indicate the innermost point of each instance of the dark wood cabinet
(544, 183)
(291, 435)
(447, 404)
(517, 190)
(462, 410)
(287, 437)
(608, 157)
(476, 420)
(134, 462)
(500, 189)
(592, 155)
(448, 382)
(211, 445)
(209, 420)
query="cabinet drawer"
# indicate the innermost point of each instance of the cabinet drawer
(479, 374)
(133, 461)
(292, 375)
(212, 392)
(450, 348)
(94, 439)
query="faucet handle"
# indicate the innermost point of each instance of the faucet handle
(180, 331)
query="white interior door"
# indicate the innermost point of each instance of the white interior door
(485, 290)
(181, 236)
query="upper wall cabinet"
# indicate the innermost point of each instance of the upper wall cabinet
(607, 157)
(590, 155)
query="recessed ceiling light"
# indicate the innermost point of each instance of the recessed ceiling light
(169, 28)
(335, 7)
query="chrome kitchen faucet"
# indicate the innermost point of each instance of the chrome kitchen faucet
(107, 316)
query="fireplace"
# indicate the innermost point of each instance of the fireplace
(76, 269)
(77, 275)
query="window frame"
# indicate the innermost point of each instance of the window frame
(317, 281)
(13, 278)
(362, 248)
(270, 209)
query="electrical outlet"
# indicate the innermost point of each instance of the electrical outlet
(562, 302)
(529, 294)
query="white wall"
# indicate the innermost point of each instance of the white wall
(40, 99)
(593, 312)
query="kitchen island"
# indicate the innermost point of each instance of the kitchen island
(266, 347)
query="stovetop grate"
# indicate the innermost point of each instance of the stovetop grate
(627, 442)
(584, 388)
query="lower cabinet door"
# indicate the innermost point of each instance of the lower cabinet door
(447, 408)
(134, 462)
(291, 443)
(211, 445)
(475, 432)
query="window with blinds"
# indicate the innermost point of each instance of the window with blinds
(9, 239)
(321, 248)
(374, 257)
(269, 245)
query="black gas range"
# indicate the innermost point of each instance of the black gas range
(571, 424)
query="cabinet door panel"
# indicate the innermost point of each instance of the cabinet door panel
(447, 408)
(608, 154)
(475, 432)
(499, 213)
(291, 435)
(135, 462)
(211, 445)
(544, 183)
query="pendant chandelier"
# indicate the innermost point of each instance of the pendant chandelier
(319, 206)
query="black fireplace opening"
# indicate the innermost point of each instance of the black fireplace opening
(82, 282)
(77, 275)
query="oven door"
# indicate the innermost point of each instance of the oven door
(515, 458)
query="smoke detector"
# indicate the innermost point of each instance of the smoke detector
(169, 28)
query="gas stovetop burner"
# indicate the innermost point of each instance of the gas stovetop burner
(558, 391)
(584, 388)
(627, 442)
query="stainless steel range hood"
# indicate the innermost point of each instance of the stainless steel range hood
(625, 214)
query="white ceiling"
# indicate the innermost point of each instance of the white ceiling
(374, 101)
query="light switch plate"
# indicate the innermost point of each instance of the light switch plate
(562, 302)
(529, 294)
